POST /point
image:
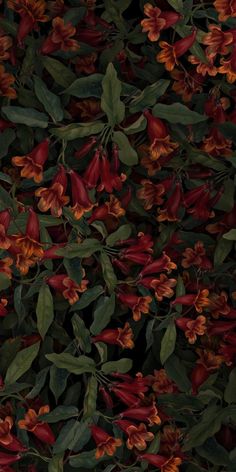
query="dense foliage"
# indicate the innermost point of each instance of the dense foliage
(117, 235)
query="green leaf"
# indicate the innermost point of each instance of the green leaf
(38, 383)
(58, 381)
(56, 463)
(228, 129)
(149, 96)
(207, 426)
(180, 290)
(60, 73)
(90, 399)
(21, 363)
(178, 113)
(122, 233)
(222, 250)
(85, 249)
(75, 365)
(88, 297)
(103, 313)
(175, 369)
(108, 272)
(81, 333)
(77, 130)
(122, 366)
(137, 126)
(127, 154)
(6, 138)
(69, 435)
(60, 413)
(230, 235)
(83, 435)
(86, 87)
(74, 269)
(49, 100)
(86, 460)
(5, 282)
(44, 310)
(177, 5)
(168, 342)
(213, 452)
(230, 390)
(26, 116)
(110, 99)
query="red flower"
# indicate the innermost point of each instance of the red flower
(171, 52)
(192, 328)
(54, 197)
(60, 38)
(138, 305)
(33, 162)
(31, 12)
(138, 436)
(106, 444)
(123, 337)
(3, 309)
(80, 199)
(69, 289)
(159, 137)
(5, 219)
(157, 21)
(199, 300)
(7, 459)
(145, 413)
(39, 428)
(165, 464)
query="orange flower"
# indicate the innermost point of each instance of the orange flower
(6, 80)
(138, 305)
(60, 38)
(162, 147)
(54, 197)
(202, 301)
(170, 440)
(5, 431)
(216, 144)
(122, 337)
(138, 436)
(86, 64)
(163, 463)
(203, 68)
(5, 265)
(69, 289)
(228, 68)
(114, 207)
(218, 305)
(32, 163)
(163, 287)
(225, 9)
(209, 359)
(31, 418)
(106, 444)
(171, 52)
(150, 193)
(31, 12)
(193, 256)
(151, 166)
(161, 383)
(186, 83)
(3, 304)
(192, 328)
(5, 44)
(5, 218)
(153, 24)
(217, 41)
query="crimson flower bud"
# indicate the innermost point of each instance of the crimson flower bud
(156, 128)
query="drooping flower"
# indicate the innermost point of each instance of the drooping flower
(5, 219)
(138, 305)
(106, 444)
(228, 67)
(138, 436)
(161, 383)
(165, 464)
(218, 305)
(163, 287)
(199, 300)
(217, 41)
(3, 309)
(122, 337)
(60, 38)
(86, 64)
(163, 263)
(7, 439)
(171, 52)
(54, 197)
(225, 9)
(186, 83)
(158, 134)
(80, 198)
(207, 363)
(171, 437)
(33, 162)
(192, 328)
(143, 413)
(5, 44)
(157, 20)
(111, 208)
(31, 12)
(40, 429)
(150, 193)
(204, 68)
(170, 211)
(196, 257)
(6, 82)
(5, 266)
(65, 285)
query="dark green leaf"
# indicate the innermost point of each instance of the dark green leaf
(168, 342)
(178, 113)
(90, 399)
(60, 73)
(207, 426)
(76, 365)
(177, 5)
(110, 99)
(81, 333)
(123, 232)
(77, 130)
(6, 138)
(49, 100)
(85, 249)
(127, 153)
(230, 390)
(88, 297)
(108, 272)
(44, 310)
(149, 96)
(222, 250)
(56, 463)
(74, 269)
(26, 116)
(137, 126)
(122, 366)
(38, 383)
(85, 460)
(21, 363)
(68, 436)
(230, 235)
(85, 87)
(103, 313)
(5, 282)
(176, 371)
(213, 452)
(61, 413)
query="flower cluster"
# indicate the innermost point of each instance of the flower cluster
(117, 235)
